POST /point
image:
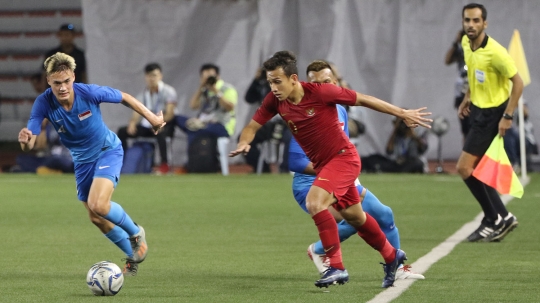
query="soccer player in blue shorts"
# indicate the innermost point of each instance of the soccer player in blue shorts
(73, 110)
(321, 72)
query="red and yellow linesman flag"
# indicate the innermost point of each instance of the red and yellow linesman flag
(495, 170)
(515, 49)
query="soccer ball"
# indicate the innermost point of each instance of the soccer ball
(105, 279)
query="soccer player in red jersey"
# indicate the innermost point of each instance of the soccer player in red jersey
(310, 112)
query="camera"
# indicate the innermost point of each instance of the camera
(211, 80)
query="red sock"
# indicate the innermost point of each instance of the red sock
(328, 232)
(374, 236)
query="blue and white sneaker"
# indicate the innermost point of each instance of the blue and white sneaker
(333, 276)
(391, 268)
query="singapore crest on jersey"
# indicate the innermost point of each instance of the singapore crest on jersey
(85, 115)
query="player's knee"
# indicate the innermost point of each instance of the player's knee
(464, 170)
(99, 206)
(314, 207)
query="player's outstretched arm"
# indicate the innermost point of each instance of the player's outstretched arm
(247, 135)
(27, 139)
(411, 117)
(155, 119)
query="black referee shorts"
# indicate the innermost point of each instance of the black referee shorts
(484, 123)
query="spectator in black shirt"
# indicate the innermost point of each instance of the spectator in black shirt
(66, 36)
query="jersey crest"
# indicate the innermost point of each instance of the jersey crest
(87, 114)
(310, 111)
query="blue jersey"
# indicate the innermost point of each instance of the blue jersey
(300, 180)
(81, 129)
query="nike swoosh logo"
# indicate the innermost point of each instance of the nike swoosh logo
(102, 167)
(284, 114)
(322, 179)
(58, 120)
(327, 250)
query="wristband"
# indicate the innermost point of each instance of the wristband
(508, 117)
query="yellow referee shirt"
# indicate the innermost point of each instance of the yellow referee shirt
(489, 69)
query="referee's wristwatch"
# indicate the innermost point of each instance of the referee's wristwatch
(508, 116)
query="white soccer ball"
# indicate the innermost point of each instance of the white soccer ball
(105, 279)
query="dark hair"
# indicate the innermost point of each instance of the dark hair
(475, 5)
(150, 67)
(67, 27)
(284, 59)
(318, 65)
(209, 66)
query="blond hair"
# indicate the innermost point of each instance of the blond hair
(59, 62)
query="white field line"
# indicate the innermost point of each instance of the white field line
(424, 263)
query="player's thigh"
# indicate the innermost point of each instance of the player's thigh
(318, 199)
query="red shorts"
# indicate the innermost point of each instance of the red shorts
(338, 176)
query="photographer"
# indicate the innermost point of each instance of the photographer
(215, 100)
(404, 148)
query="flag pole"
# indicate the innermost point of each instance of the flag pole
(522, 151)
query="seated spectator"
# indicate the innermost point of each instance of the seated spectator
(275, 129)
(157, 96)
(215, 101)
(404, 150)
(51, 157)
(511, 141)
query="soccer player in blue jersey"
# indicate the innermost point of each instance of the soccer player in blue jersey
(321, 72)
(73, 110)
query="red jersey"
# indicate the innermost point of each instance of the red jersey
(314, 121)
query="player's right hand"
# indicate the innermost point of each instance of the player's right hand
(242, 148)
(464, 109)
(25, 135)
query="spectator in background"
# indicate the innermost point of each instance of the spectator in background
(511, 141)
(404, 150)
(66, 36)
(52, 157)
(455, 55)
(275, 130)
(215, 101)
(157, 96)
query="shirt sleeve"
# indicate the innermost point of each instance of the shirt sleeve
(504, 63)
(333, 94)
(105, 94)
(171, 97)
(298, 160)
(266, 111)
(231, 95)
(37, 115)
(343, 118)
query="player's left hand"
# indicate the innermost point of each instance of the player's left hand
(159, 123)
(416, 117)
(242, 148)
(504, 125)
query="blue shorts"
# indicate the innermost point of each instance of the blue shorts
(108, 165)
(301, 194)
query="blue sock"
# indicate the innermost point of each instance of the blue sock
(120, 237)
(384, 217)
(119, 217)
(344, 230)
